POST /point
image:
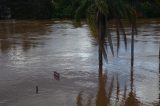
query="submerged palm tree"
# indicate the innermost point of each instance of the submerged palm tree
(99, 13)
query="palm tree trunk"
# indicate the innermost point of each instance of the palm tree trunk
(132, 47)
(100, 59)
(101, 37)
(134, 4)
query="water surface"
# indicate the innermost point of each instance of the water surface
(30, 51)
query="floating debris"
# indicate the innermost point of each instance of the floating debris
(36, 89)
(56, 75)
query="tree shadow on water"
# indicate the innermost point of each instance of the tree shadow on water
(109, 94)
(103, 96)
(132, 100)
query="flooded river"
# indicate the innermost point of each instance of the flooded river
(31, 51)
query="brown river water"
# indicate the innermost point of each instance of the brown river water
(31, 51)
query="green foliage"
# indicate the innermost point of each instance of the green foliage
(65, 8)
(31, 9)
(150, 9)
(45, 9)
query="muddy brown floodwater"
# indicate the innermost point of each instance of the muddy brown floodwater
(31, 51)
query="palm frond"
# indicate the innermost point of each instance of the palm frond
(123, 33)
(109, 38)
(102, 6)
(91, 20)
(81, 10)
(99, 13)
(118, 88)
(105, 54)
(111, 88)
(118, 37)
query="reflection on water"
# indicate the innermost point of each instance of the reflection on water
(79, 99)
(106, 93)
(132, 100)
(22, 33)
(31, 51)
(103, 97)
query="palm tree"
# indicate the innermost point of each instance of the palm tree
(99, 13)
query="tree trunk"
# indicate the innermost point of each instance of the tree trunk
(101, 37)
(132, 47)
